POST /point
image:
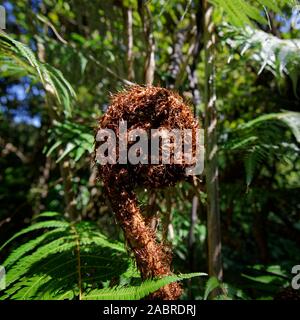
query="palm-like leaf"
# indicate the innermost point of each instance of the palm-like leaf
(280, 56)
(18, 60)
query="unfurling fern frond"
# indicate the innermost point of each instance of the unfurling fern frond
(262, 138)
(18, 60)
(70, 261)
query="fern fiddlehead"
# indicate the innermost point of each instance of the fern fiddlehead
(144, 108)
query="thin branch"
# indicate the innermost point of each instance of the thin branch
(182, 71)
(51, 26)
(177, 56)
(146, 18)
(70, 199)
(10, 148)
(191, 236)
(192, 67)
(109, 71)
(88, 56)
(127, 12)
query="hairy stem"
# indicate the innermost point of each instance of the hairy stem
(151, 257)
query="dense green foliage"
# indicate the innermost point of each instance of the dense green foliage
(59, 62)
(73, 259)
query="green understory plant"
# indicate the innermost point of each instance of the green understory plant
(65, 260)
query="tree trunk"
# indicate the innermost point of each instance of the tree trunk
(211, 161)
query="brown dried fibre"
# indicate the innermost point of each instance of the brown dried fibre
(144, 108)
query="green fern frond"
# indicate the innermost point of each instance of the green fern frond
(31, 245)
(37, 226)
(241, 12)
(47, 214)
(18, 60)
(273, 4)
(137, 292)
(262, 138)
(73, 260)
(211, 284)
(253, 158)
(280, 56)
(289, 118)
(52, 263)
(75, 138)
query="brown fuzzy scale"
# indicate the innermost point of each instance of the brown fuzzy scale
(144, 108)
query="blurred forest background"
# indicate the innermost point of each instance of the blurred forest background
(59, 63)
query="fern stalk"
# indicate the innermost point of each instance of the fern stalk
(152, 259)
